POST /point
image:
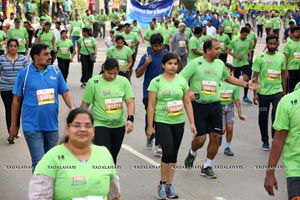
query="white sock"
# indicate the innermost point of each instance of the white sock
(193, 153)
(208, 163)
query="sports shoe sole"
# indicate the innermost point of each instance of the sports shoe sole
(160, 198)
(210, 177)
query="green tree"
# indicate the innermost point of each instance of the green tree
(189, 4)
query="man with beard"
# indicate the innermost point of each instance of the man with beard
(37, 88)
(270, 69)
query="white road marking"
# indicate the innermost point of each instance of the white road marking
(220, 198)
(138, 154)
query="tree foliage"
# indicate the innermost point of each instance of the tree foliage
(189, 4)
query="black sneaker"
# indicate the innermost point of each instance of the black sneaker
(228, 152)
(265, 146)
(208, 173)
(189, 160)
(11, 140)
(220, 141)
(171, 194)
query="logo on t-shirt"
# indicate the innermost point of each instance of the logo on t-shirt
(106, 92)
(78, 180)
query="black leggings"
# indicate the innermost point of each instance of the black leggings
(293, 79)
(170, 137)
(87, 68)
(7, 98)
(259, 30)
(111, 138)
(64, 65)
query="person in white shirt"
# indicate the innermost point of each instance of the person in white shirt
(109, 41)
(210, 30)
(9, 22)
(58, 28)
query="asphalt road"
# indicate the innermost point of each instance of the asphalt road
(240, 177)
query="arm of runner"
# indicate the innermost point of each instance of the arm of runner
(255, 96)
(229, 51)
(189, 111)
(237, 104)
(130, 112)
(250, 84)
(284, 76)
(141, 70)
(129, 60)
(150, 113)
(275, 153)
(15, 110)
(67, 97)
(41, 187)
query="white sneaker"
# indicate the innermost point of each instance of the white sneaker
(158, 149)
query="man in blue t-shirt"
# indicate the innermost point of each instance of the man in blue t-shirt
(36, 90)
(150, 67)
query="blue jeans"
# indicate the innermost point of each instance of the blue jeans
(39, 143)
(74, 41)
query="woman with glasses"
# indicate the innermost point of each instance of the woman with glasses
(76, 169)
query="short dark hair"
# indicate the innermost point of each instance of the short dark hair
(156, 38)
(110, 63)
(208, 44)
(169, 56)
(87, 30)
(293, 29)
(63, 31)
(12, 40)
(36, 49)
(271, 37)
(244, 30)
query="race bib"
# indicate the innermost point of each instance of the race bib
(182, 44)
(273, 74)
(45, 96)
(297, 56)
(222, 45)
(89, 198)
(121, 63)
(20, 41)
(76, 29)
(129, 42)
(88, 42)
(113, 105)
(228, 28)
(226, 95)
(175, 108)
(209, 87)
(64, 50)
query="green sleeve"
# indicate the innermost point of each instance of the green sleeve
(256, 64)
(231, 44)
(225, 73)
(44, 164)
(153, 85)
(286, 49)
(189, 70)
(282, 120)
(236, 93)
(128, 89)
(193, 44)
(108, 52)
(283, 66)
(88, 96)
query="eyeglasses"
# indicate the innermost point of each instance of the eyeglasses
(78, 126)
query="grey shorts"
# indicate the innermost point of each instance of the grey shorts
(293, 187)
(228, 114)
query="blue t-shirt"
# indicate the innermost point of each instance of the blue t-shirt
(189, 20)
(40, 92)
(154, 69)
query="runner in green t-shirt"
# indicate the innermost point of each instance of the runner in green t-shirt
(292, 54)
(113, 17)
(241, 49)
(76, 168)
(205, 74)
(224, 41)
(3, 39)
(76, 29)
(259, 24)
(88, 19)
(230, 95)
(167, 33)
(64, 52)
(203, 38)
(268, 24)
(102, 18)
(137, 29)
(168, 98)
(286, 142)
(123, 54)
(19, 33)
(194, 44)
(236, 27)
(276, 24)
(106, 93)
(148, 34)
(228, 26)
(46, 36)
(270, 71)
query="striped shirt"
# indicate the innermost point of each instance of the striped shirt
(9, 70)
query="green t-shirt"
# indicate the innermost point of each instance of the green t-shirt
(46, 38)
(121, 55)
(169, 106)
(194, 43)
(269, 68)
(130, 38)
(260, 20)
(87, 45)
(224, 41)
(228, 26)
(2, 38)
(292, 49)
(21, 35)
(76, 28)
(74, 179)
(240, 47)
(106, 98)
(288, 118)
(114, 17)
(102, 18)
(63, 49)
(276, 21)
(167, 34)
(268, 23)
(88, 21)
(148, 34)
(236, 28)
(188, 32)
(205, 78)
(228, 93)
(136, 29)
(297, 86)
(252, 37)
(46, 18)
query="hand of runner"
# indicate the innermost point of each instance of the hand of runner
(192, 95)
(252, 85)
(255, 99)
(13, 131)
(239, 57)
(193, 130)
(242, 117)
(270, 182)
(150, 131)
(129, 126)
(148, 59)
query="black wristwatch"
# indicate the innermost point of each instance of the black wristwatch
(130, 118)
